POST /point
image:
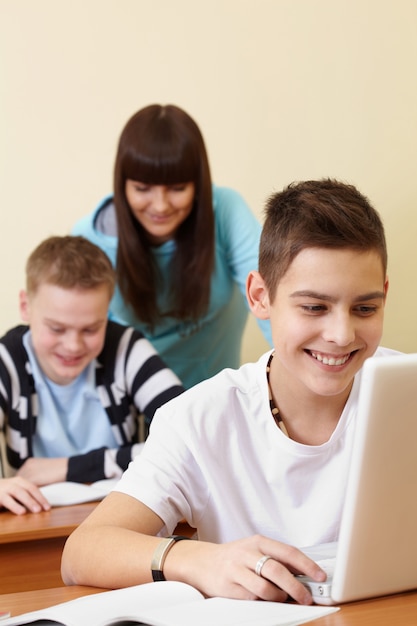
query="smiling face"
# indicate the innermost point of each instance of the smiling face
(326, 319)
(68, 328)
(160, 209)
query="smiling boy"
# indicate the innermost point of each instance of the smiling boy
(257, 459)
(72, 384)
(322, 281)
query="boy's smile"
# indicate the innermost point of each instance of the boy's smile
(326, 319)
(67, 326)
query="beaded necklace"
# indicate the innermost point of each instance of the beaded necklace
(274, 409)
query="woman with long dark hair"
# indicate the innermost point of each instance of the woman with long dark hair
(182, 247)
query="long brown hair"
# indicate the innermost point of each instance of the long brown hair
(162, 145)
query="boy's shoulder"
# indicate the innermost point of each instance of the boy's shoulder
(115, 334)
(13, 339)
(115, 331)
(14, 356)
(244, 385)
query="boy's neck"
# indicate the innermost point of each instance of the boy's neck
(307, 418)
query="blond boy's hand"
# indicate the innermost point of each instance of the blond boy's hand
(42, 471)
(19, 496)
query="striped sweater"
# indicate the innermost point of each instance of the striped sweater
(131, 379)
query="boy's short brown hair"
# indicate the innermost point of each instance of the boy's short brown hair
(69, 262)
(316, 214)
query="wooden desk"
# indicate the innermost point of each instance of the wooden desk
(25, 601)
(395, 610)
(31, 546)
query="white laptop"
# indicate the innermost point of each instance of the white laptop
(376, 553)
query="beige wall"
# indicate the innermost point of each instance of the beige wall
(282, 89)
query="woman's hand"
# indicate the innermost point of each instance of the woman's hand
(19, 496)
(228, 569)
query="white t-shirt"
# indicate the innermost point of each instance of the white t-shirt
(216, 458)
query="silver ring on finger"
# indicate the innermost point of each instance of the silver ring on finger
(260, 563)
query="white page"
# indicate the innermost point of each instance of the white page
(66, 493)
(100, 608)
(226, 612)
(182, 605)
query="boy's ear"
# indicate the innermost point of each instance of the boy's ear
(386, 285)
(257, 295)
(24, 305)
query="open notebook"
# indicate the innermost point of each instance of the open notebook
(376, 553)
(167, 604)
(65, 493)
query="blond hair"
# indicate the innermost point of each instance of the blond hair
(69, 262)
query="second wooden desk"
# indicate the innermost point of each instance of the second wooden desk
(31, 546)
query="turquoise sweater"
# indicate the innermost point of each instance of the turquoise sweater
(197, 351)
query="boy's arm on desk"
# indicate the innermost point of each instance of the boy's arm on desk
(43, 471)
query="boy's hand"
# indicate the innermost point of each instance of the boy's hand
(229, 569)
(19, 495)
(42, 471)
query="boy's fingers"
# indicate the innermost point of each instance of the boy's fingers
(21, 499)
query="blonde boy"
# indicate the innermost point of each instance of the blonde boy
(71, 383)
